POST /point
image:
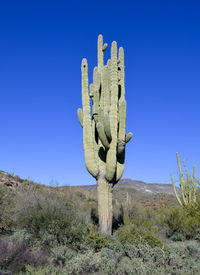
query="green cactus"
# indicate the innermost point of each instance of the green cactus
(104, 127)
(188, 186)
(12, 173)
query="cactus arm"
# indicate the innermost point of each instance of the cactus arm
(174, 187)
(109, 83)
(122, 120)
(122, 117)
(101, 116)
(107, 127)
(189, 188)
(87, 125)
(121, 73)
(120, 165)
(100, 52)
(102, 136)
(105, 46)
(194, 184)
(96, 107)
(120, 147)
(121, 139)
(105, 88)
(80, 116)
(94, 94)
(96, 87)
(111, 155)
(128, 137)
(182, 181)
(96, 79)
(91, 90)
(95, 142)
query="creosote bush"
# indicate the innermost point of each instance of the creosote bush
(183, 221)
(50, 218)
(130, 233)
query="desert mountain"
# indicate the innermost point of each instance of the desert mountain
(149, 188)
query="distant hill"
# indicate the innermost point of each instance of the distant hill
(148, 188)
(152, 195)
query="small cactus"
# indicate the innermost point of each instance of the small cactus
(104, 126)
(188, 186)
(12, 173)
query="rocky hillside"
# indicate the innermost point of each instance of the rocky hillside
(9, 180)
(149, 188)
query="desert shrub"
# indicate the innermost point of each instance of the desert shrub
(126, 266)
(94, 239)
(193, 249)
(125, 210)
(140, 220)
(7, 205)
(178, 237)
(115, 245)
(123, 259)
(109, 260)
(180, 258)
(183, 221)
(21, 236)
(14, 256)
(130, 233)
(83, 263)
(143, 259)
(179, 223)
(44, 270)
(176, 260)
(160, 216)
(145, 252)
(61, 254)
(50, 218)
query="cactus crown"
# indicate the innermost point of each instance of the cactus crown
(104, 124)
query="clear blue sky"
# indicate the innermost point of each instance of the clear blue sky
(42, 44)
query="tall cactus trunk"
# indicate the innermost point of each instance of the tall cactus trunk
(104, 205)
(110, 218)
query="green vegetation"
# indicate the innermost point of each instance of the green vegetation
(104, 127)
(48, 230)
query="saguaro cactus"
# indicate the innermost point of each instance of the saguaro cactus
(188, 186)
(104, 126)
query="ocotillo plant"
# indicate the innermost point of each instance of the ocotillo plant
(188, 186)
(104, 126)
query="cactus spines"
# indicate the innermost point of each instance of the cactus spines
(104, 127)
(188, 186)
